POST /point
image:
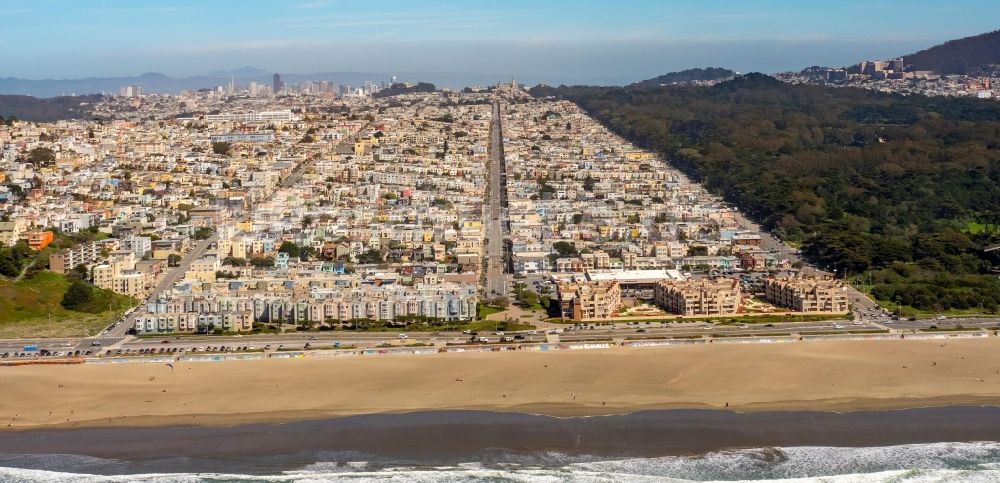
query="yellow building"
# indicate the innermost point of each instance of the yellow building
(589, 300)
(698, 297)
(807, 294)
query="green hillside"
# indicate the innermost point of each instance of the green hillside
(969, 55)
(31, 308)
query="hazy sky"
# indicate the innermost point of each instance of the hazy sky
(582, 40)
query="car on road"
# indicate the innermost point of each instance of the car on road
(164, 341)
(403, 336)
(95, 343)
(768, 326)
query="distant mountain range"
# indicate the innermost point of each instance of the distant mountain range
(969, 55)
(152, 82)
(159, 83)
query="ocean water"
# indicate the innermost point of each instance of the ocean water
(931, 462)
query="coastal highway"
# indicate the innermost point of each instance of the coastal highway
(496, 281)
(568, 333)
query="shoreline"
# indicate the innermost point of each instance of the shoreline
(555, 411)
(434, 438)
(829, 376)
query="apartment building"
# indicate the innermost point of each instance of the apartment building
(807, 294)
(582, 300)
(698, 297)
(10, 232)
(38, 240)
(139, 245)
(189, 312)
(82, 254)
(252, 117)
(119, 274)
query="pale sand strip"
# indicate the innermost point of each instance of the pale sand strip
(832, 376)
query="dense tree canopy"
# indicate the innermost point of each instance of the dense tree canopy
(221, 147)
(77, 295)
(906, 186)
(50, 109)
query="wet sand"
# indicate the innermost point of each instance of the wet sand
(453, 437)
(813, 376)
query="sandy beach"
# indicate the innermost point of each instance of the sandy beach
(819, 376)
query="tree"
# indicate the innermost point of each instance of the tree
(221, 147)
(564, 249)
(173, 260)
(202, 233)
(290, 248)
(41, 156)
(371, 256)
(77, 295)
(588, 183)
(527, 298)
(79, 272)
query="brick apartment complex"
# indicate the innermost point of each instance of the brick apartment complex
(589, 300)
(807, 294)
(698, 297)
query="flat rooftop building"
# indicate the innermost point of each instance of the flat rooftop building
(807, 294)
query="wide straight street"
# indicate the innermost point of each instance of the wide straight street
(496, 281)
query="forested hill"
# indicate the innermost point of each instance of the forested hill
(50, 109)
(908, 187)
(969, 55)
(397, 89)
(689, 75)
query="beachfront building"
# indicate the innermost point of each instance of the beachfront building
(807, 294)
(342, 301)
(720, 296)
(584, 300)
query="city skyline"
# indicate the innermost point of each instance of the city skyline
(551, 43)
